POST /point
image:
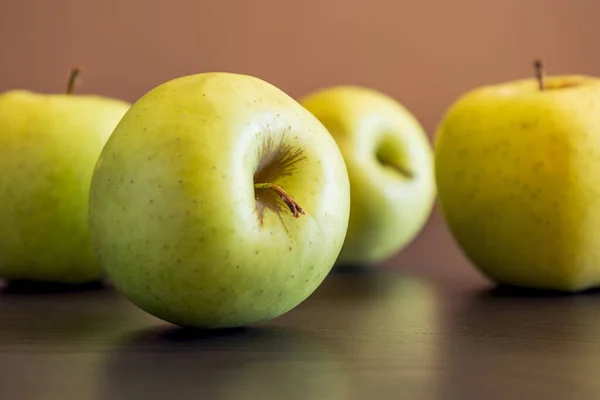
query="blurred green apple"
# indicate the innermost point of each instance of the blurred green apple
(49, 144)
(218, 201)
(518, 169)
(390, 165)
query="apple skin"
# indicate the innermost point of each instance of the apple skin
(49, 144)
(173, 211)
(517, 171)
(375, 133)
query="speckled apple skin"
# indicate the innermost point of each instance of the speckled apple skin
(173, 210)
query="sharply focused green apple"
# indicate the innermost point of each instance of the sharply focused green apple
(390, 165)
(218, 201)
(49, 144)
(518, 172)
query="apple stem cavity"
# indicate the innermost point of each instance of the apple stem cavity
(391, 162)
(539, 73)
(73, 75)
(287, 199)
(408, 174)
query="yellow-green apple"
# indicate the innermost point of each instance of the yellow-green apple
(218, 201)
(390, 165)
(49, 144)
(518, 169)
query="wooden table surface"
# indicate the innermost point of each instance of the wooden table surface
(379, 334)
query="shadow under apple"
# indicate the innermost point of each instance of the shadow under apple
(251, 363)
(511, 291)
(25, 287)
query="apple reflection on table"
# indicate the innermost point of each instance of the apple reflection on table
(252, 363)
(385, 325)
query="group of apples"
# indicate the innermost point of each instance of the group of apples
(217, 200)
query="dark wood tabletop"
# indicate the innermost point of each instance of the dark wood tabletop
(383, 333)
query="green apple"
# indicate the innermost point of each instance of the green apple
(517, 169)
(49, 144)
(218, 201)
(390, 165)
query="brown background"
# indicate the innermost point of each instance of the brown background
(423, 52)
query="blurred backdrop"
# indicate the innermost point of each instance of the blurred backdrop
(424, 53)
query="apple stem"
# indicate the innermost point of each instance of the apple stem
(73, 75)
(287, 199)
(539, 73)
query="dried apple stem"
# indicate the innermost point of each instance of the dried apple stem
(287, 199)
(539, 73)
(72, 79)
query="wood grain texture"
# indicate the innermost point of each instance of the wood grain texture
(385, 334)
